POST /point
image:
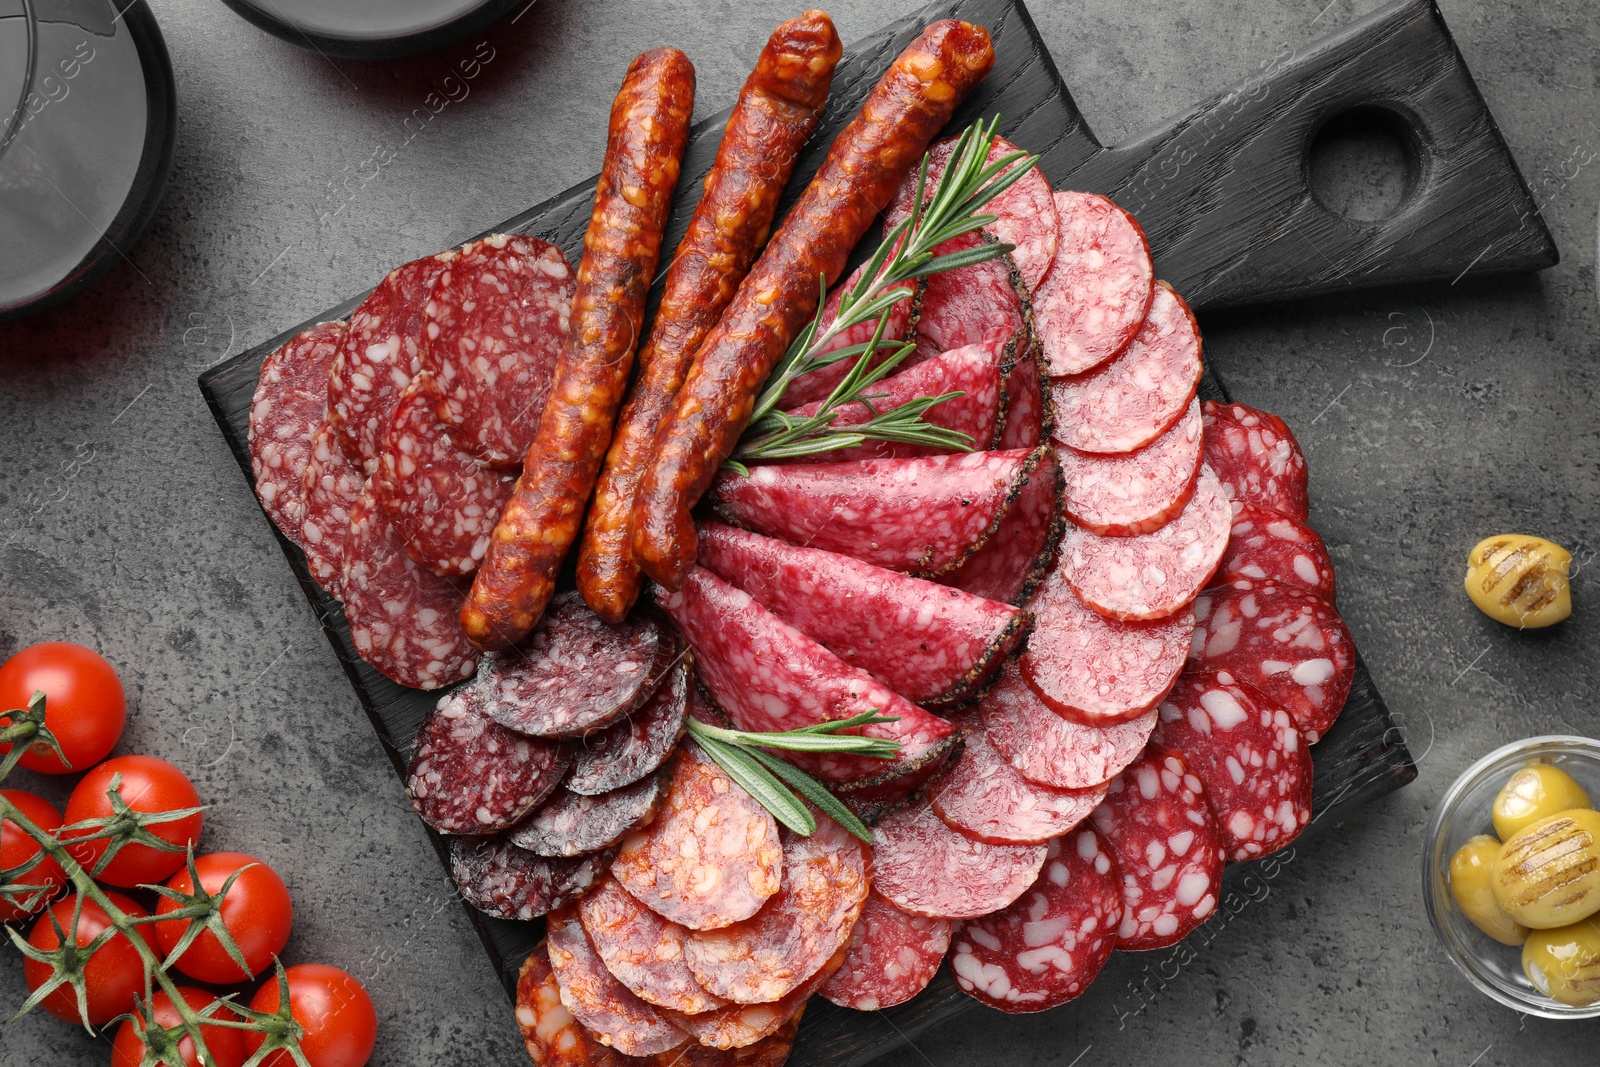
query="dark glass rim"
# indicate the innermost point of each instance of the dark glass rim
(373, 47)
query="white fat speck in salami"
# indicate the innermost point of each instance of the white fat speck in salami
(626, 751)
(1268, 544)
(571, 824)
(1099, 287)
(892, 957)
(985, 797)
(289, 405)
(1014, 560)
(1051, 749)
(603, 1004)
(921, 865)
(982, 303)
(508, 882)
(644, 951)
(1257, 458)
(1129, 493)
(331, 485)
(551, 1035)
(747, 1026)
(815, 385)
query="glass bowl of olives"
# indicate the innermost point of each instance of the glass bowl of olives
(1511, 876)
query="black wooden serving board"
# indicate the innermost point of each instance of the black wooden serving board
(1223, 193)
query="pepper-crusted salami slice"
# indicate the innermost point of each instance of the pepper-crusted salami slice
(1127, 401)
(767, 675)
(1053, 750)
(600, 1002)
(741, 1025)
(644, 149)
(402, 618)
(1268, 544)
(625, 752)
(1256, 767)
(331, 485)
(1045, 949)
(1160, 826)
(552, 1036)
(1257, 458)
(1030, 413)
(1099, 287)
(921, 865)
(892, 956)
(1289, 645)
(1013, 561)
(285, 412)
(508, 882)
(572, 824)
(930, 644)
(1129, 493)
(644, 951)
(494, 323)
(985, 797)
(984, 303)
(470, 775)
(815, 385)
(712, 856)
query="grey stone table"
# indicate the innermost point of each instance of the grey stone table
(1432, 417)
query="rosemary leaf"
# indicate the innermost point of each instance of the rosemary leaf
(816, 792)
(756, 780)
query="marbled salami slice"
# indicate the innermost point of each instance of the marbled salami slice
(330, 486)
(551, 1035)
(1099, 287)
(572, 824)
(816, 385)
(1029, 409)
(984, 303)
(767, 675)
(1129, 493)
(1012, 562)
(742, 1025)
(1045, 949)
(597, 999)
(508, 882)
(1257, 458)
(1159, 824)
(1268, 544)
(470, 775)
(892, 956)
(1129, 400)
(626, 751)
(644, 951)
(288, 407)
(402, 618)
(1053, 750)
(930, 644)
(1256, 767)
(921, 865)
(1289, 645)
(985, 797)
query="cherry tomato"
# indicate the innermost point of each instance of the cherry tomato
(149, 785)
(341, 1026)
(84, 704)
(226, 1046)
(112, 977)
(257, 913)
(17, 848)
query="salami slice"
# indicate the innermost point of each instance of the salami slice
(1013, 561)
(711, 858)
(1096, 670)
(402, 618)
(767, 675)
(984, 303)
(572, 824)
(285, 412)
(1045, 949)
(892, 957)
(1127, 401)
(331, 485)
(1268, 544)
(552, 1036)
(379, 356)
(470, 775)
(644, 951)
(1289, 645)
(1053, 750)
(1160, 826)
(1157, 574)
(985, 797)
(924, 516)
(1257, 458)
(1129, 493)
(1256, 767)
(742, 1025)
(930, 644)
(508, 882)
(816, 385)
(1030, 413)
(770, 1051)
(1099, 287)
(495, 322)
(921, 865)
(576, 673)
(444, 503)
(625, 752)
(597, 999)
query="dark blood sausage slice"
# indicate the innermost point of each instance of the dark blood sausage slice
(1257, 458)
(915, 97)
(572, 824)
(1270, 545)
(1097, 670)
(644, 149)
(1129, 493)
(625, 752)
(930, 644)
(741, 1025)
(494, 325)
(985, 303)
(1045, 949)
(380, 354)
(1053, 750)
(1127, 401)
(644, 951)
(1256, 766)
(892, 957)
(552, 1036)
(285, 412)
(508, 882)
(402, 618)
(1157, 574)
(576, 673)
(924, 515)
(777, 109)
(921, 865)
(331, 485)
(767, 675)
(1289, 645)
(814, 386)
(1099, 287)
(985, 797)
(470, 775)
(600, 1002)
(1013, 561)
(1159, 824)
(441, 500)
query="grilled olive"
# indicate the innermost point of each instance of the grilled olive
(1520, 581)
(1548, 873)
(1533, 793)
(1564, 963)
(1470, 869)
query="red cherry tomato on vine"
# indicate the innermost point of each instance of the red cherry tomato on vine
(257, 913)
(149, 785)
(84, 704)
(225, 1045)
(341, 1026)
(113, 976)
(17, 848)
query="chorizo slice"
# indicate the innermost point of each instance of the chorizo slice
(743, 1025)
(552, 1036)
(644, 951)
(597, 999)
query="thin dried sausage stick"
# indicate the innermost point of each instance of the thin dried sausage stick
(912, 101)
(644, 149)
(777, 109)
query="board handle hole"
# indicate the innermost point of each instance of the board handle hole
(1365, 163)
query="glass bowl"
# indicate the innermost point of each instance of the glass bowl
(1494, 968)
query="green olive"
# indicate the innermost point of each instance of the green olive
(1564, 963)
(1535, 792)
(1520, 580)
(1470, 869)
(1548, 873)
